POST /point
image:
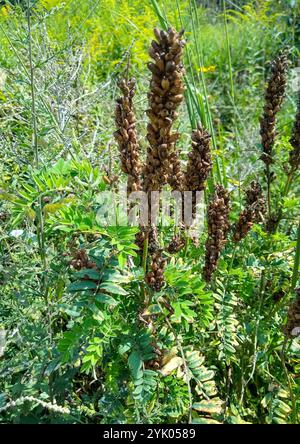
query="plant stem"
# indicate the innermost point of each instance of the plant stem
(40, 228)
(144, 265)
(286, 190)
(39, 208)
(228, 53)
(292, 396)
(145, 252)
(187, 380)
(296, 261)
(268, 176)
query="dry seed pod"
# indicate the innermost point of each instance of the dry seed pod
(292, 328)
(294, 159)
(166, 87)
(199, 163)
(140, 238)
(126, 136)
(81, 260)
(176, 178)
(177, 244)
(253, 212)
(153, 244)
(155, 277)
(218, 225)
(274, 96)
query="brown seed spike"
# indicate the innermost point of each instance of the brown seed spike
(200, 162)
(126, 136)
(218, 226)
(165, 96)
(274, 97)
(253, 212)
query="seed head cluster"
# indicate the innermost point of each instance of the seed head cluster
(126, 136)
(177, 244)
(218, 226)
(253, 212)
(274, 96)
(155, 277)
(165, 96)
(81, 260)
(200, 162)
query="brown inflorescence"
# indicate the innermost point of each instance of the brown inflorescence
(200, 162)
(292, 328)
(294, 159)
(253, 212)
(81, 260)
(155, 277)
(126, 136)
(177, 244)
(218, 226)
(176, 177)
(165, 96)
(274, 96)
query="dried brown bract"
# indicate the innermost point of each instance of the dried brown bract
(177, 244)
(176, 178)
(126, 136)
(292, 328)
(165, 96)
(253, 212)
(155, 277)
(218, 226)
(200, 162)
(81, 260)
(274, 96)
(294, 159)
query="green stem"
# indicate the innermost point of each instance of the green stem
(288, 378)
(228, 53)
(286, 191)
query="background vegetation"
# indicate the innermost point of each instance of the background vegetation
(68, 356)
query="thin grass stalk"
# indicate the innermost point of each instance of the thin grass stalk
(228, 52)
(40, 228)
(200, 107)
(199, 52)
(161, 16)
(289, 381)
(39, 210)
(42, 100)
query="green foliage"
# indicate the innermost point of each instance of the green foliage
(78, 343)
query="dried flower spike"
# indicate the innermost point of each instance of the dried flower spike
(218, 226)
(294, 159)
(273, 100)
(253, 212)
(126, 136)
(177, 244)
(155, 277)
(199, 163)
(166, 94)
(81, 260)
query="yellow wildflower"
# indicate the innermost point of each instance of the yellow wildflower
(4, 10)
(210, 68)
